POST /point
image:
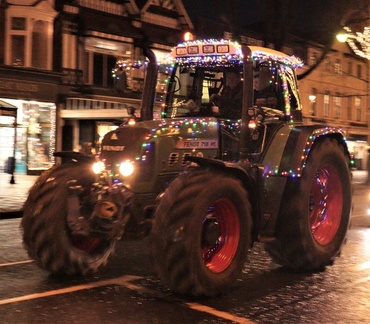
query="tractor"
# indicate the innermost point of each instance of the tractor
(224, 166)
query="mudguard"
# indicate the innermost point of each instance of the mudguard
(288, 152)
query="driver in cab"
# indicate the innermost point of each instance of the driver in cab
(228, 102)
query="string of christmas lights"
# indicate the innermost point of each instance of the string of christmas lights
(359, 42)
(207, 53)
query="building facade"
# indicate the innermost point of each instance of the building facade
(67, 67)
(337, 93)
(28, 84)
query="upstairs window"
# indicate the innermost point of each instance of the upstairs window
(28, 35)
(18, 41)
(349, 107)
(337, 67)
(337, 104)
(39, 45)
(358, 104)
(18, 50)
(350, 68)
(359, 71)
(18, 23)
(326, 103)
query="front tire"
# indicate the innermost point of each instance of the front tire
(314, 216)
(201, 233)
(46, 235)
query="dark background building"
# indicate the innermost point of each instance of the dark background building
(67, 66)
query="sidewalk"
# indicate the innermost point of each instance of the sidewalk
(13, 196)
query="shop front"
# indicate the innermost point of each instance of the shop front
(28, 136)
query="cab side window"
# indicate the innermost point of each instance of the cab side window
(268, 87)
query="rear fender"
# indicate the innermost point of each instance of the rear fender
(294, 154)
(286, 158)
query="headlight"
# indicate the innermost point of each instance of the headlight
(98, 167)
(126, 168)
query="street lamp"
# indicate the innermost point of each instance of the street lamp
(342, 37)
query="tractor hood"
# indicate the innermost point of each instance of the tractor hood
(157, 150)
(189, 134)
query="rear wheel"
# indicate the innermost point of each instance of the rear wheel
(46, 236)
(201, 233)
(314, 217)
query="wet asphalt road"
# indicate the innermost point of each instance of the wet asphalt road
(127, 290)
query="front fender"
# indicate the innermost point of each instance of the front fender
(77, 156)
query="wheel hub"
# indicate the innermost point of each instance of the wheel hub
(326, 201)
(105, 209)
(211, 233)
(220, 235)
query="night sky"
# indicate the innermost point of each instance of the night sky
(306, 16)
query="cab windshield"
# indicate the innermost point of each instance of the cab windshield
(205, 91)
(217, 91)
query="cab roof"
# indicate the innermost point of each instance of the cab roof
(214, 52)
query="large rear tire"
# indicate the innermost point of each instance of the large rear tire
(314, 216)
(46, 235)
(201, 233)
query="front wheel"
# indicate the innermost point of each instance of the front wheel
(46, 236)
(314, 216)
(201, 233)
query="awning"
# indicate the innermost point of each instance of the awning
(7, 109)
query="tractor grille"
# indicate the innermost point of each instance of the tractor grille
(183, 162)
(173, 159)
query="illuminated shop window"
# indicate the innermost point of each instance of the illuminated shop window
(35, 143)
(40, 118)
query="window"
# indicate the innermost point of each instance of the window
(102, 69)
(98, 69)
(350, 68)
(18, 50)
(358, 108)
(326, 103)
(312, 98)
(18, 23)
(337, 67)
(359, 71)
(349, 108)
(39, 45)
(28, 35)
(337, 105)
(313, 58)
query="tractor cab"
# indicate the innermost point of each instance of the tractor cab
(206, 78)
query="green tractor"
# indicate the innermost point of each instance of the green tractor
(229, 162)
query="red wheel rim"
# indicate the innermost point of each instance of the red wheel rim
(326, 203)
(220, 235)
